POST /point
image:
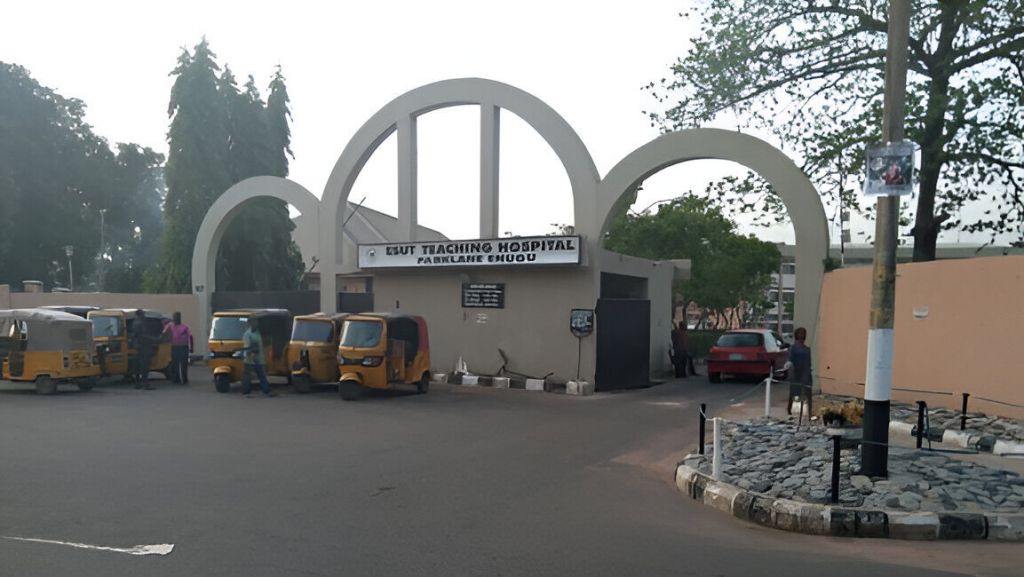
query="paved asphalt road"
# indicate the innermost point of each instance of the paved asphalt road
(463, 481)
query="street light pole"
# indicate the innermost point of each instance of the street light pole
(878, 386)
(103, 251)
(70, 252)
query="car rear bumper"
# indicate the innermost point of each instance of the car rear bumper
(738, 367)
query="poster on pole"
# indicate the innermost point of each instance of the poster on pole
(890, 169)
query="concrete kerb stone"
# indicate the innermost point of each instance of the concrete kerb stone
(1005, 527)
(919, 526)
(962, 439)
(816, 519)
(500, 382)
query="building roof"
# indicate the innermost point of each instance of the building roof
(368, 226)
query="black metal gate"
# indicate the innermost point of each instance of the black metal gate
(298, 302)
(623, 344)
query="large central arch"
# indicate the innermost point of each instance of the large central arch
(794, 188)
(400, 115)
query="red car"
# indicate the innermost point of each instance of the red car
(757, 352)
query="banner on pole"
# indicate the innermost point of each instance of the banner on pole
(890, 169)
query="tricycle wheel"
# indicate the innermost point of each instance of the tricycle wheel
(349, 390)
(45, 386)
(301, 383)
(715, 377)
(424, 385)
(222, 382)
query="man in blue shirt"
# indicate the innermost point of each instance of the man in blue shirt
(254, 360)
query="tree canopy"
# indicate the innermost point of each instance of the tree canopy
(727, 268)
(220, 135)
(56, 175)
(812, 74)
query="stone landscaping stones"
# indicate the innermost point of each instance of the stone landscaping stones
(782, 462)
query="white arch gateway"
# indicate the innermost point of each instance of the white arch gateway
(595, 200)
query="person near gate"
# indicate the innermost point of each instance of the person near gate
(800, 369)
(182, 345)
(254, 360)
(681, 358)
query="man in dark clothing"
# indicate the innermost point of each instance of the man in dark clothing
(681, 358)
(800, 380)
(143, 345)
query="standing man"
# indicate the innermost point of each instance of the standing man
(681, 351)
(800, 377)
(254, 361)
(144, 345)
(181, 346)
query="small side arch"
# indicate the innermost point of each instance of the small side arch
(798, 194)
(223, 211)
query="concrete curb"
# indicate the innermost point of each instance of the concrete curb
(835, 521)
(962, 439)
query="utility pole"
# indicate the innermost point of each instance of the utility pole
(70, 252)
(103, 250)
(878, 388)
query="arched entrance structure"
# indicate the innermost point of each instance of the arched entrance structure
(224, 210)
(400, 115)
(794, 188)
(550, 292)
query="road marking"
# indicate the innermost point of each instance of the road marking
(161, 549)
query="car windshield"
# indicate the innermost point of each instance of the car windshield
(739, 340)
(304, 330)
(105, 326)
(228, 328)
(361, 334)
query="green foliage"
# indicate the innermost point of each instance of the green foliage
(56, 175)
(219, 136)
(726, 268)
(812, 74)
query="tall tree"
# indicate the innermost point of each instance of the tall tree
(811, 73)
(257, 252)
(56, 175)
(219, 136)
(727, 268)
(197, 164)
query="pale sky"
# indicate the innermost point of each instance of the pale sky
(345, 60)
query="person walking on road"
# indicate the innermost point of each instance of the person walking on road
(800, 380)
(144, 345)
(254, 360)
(181, 346)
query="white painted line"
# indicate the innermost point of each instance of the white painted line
(161, 549)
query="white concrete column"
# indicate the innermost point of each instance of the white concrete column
(407, 180)
(490, 133)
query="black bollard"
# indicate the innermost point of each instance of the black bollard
(921, 408)
(703, 420)
(963, 413)
(835, 468)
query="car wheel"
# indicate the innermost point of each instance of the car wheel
(45, 386)
(349, 390)
(715, 377)
(301, 384)
(222, 382)
(424, 385)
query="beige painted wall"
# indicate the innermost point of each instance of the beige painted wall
(969, 342)
(167, 303)
(533, 328)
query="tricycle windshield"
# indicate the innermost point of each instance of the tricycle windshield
(103, 326)
(361, 334)
(319, 331)
(228, 328)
